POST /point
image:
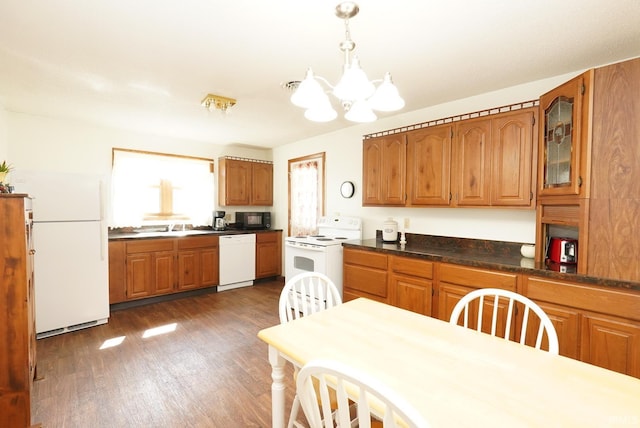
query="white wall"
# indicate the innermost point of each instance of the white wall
(4, 143)
(344, 162)
(41, 143)
(46, 144)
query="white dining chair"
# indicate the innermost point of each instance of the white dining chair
(361, 399)
(305, 294)
(493, 296)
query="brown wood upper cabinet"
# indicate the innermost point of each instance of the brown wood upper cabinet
(493, 160)
(384, 176)
(596, 195)
(429, 165)
(486, 161)
(245, 182)
(564, 137)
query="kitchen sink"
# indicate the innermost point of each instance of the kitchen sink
(173, 233)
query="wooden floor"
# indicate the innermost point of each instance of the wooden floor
(211, 371)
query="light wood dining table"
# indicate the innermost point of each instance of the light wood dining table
(455, 377)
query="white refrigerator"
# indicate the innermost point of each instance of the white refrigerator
(71, 249)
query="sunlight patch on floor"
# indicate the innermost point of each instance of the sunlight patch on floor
(168, 328)
(114, 341)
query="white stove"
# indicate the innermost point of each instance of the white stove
(331, 231)
(322, 252)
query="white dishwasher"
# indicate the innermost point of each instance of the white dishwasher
(237, 261)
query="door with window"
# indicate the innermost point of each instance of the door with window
(306, 193)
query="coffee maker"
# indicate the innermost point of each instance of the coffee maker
(218, 220)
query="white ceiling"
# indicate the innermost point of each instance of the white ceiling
(144, 65)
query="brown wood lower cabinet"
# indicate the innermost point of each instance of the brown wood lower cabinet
(152, 267)
(455, 281)
(197, 262)
(268, 254)
(410, 284)
(364, 275)
(597, 325)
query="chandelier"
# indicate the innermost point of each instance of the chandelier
(217, 102)
(358, 95)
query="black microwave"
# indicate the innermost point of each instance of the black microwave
(253, 220)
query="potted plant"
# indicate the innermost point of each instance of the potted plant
(5, 168)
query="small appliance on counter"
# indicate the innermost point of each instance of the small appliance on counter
(390, 230)
(253, 220)
(218, 220)
(563, 250)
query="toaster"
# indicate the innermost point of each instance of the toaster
(563, 250)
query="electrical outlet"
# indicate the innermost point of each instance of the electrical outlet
(407, 223)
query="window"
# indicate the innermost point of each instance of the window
(306, 193)
(156, 188)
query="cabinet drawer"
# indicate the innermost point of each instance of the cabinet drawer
(477, 278)
(197, 242)
(150, 245)
(413, 267)
(367, 280)
(266, 237)
(620, 303)
(365, 258)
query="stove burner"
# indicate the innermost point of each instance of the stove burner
(301, 237)
(316, 236)
(324, 239)
(340, 237)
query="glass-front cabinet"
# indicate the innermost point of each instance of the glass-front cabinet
(563, 138)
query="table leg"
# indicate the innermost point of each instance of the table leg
(277, 388)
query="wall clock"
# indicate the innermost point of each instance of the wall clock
(347, 189)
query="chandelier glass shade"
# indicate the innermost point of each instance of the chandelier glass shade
(356, 93)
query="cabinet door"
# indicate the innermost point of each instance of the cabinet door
(455, 281)
(372, 171)
(209, 267)
(234, 183)
(564, 116)
(511, 150)
(189, 270)
(383, 170)
(566, 322)
(163, 272)
(268, 254)
(412, 293)
(268, 259)
(261, 184)
(139, 275)
(451, 294)
(429, 166)
(472, 169)
(364, 275)
(448, 297)
(612, 343)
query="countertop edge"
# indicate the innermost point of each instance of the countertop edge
(488, 261)
(168, 235)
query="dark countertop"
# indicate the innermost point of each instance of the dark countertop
(127, 235)
(503, 256)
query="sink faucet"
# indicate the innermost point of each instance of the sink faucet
(172, 226)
